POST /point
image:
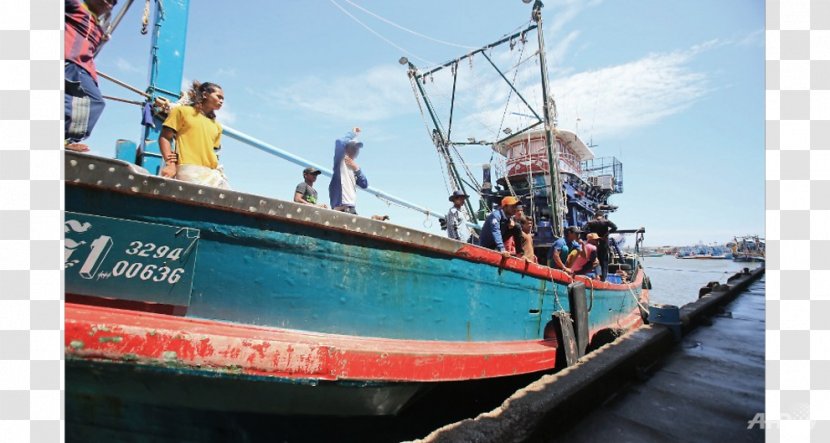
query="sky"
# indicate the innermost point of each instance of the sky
(672, 88)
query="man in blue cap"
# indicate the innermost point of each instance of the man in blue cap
(347, 175)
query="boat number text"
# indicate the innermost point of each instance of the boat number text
(100, 248)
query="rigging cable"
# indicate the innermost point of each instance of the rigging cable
(510, 94)
(444, 174)
(377, 34)
(389, 22)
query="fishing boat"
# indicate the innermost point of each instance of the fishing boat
(190, 296)
(749, 248)
(703, 252)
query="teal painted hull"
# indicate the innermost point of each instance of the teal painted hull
(279, 271)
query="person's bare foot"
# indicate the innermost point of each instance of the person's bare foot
(77, 147)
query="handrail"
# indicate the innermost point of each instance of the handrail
(271, 149)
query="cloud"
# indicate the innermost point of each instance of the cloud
(614, 100)
(124, 65)
(556, 55)
(632, 95)
(561, 12)
(226, 73)
(381, 92)
(754, 38)
(225, 115)
(611, 100)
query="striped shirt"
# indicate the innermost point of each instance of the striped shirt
(82, 37)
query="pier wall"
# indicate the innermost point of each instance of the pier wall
(560, 399)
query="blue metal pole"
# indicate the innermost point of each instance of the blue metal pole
(271, 149)
(169, 39)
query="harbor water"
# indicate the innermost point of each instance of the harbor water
(677, 281)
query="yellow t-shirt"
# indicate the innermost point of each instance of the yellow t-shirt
(196, 136)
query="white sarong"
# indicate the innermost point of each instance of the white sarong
(202, 175)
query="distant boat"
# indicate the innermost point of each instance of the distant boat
(702, 252)
(750, 248)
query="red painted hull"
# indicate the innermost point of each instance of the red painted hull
(97, 333)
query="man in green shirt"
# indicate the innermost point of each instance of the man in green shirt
(305, 192)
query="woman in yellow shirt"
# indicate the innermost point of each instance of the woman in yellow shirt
(197, 135)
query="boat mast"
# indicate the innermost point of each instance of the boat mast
(441, 141)
(552, 150)
(167, 50)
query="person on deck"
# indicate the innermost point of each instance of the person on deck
(583, 261)
(305, 192)
(562, 247)
(497, 225)
(347, 175)
(526, 224)
(83, 103)
(456, 228)
(601, 226)
(197, 136)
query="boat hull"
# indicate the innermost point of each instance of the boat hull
(184, 388)
(315, 304)
(327, 272)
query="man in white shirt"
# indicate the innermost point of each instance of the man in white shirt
(456, 226)
(347, 175)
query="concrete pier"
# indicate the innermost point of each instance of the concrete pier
(647, 387)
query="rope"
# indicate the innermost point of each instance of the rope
(123, 100)
(509, 185)
(510, 94)
(427, 221)
(145, 17)
(690, 270)
(467, 170)
(389, 22)
(634, 296)
(377, 34)
(592, 295)
(444, 174)
(556, 291)
(123, 84)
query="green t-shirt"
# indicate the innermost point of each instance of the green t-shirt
(308, 193)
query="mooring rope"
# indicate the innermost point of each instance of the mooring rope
(556, 290)
(690, 270)
(634, 296)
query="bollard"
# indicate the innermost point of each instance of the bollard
(666, 315)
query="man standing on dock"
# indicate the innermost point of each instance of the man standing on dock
(601, 226)
(347, 175)
(83, 103)
(497, 225)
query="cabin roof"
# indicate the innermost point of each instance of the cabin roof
(568, 137)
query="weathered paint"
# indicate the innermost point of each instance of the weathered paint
(270, 272)
(210, 346)
(322, 295)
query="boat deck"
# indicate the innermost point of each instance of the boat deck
(708, 389)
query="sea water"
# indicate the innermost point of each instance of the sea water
(677, 281)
